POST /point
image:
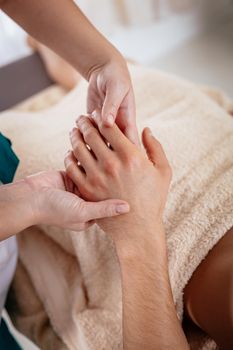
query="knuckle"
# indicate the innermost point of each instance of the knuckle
(110, 166)
(78, 118)
(89, 133)
(69, 170)
(76, 143)
(67, 162)
(133, 161)
(108, 211)
(87, 192)
(96, 181)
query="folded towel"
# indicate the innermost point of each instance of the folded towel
(67, 289)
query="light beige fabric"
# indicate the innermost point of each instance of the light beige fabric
(73, 299)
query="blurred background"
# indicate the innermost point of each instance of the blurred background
(191, 38)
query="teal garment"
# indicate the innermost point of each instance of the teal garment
(8, 166)
(7, 341)
(8, 161)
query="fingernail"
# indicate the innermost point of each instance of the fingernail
(110, 120)
(122, 208)
(94, 114)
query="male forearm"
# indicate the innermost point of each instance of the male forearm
(149, 315)
(61, 26)
(16, 211)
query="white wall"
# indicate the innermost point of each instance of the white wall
(132, 24)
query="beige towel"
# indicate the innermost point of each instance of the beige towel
(67, 291)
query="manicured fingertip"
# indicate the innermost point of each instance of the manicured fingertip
(96, 116)
(122, 208)
(109, 120)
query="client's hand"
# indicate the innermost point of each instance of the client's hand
(56, 202)
(120, 171)
(123, 171)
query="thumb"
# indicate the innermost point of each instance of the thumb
(103, 209)
(154, 149)
(111, 105)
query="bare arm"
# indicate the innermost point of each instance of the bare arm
(149, 316)
(16, 210)
(62, 26)
(43, 198)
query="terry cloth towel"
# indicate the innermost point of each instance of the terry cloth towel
(67, 292)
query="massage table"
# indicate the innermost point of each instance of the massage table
(22, 79)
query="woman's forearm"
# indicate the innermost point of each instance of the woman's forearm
(62, 26)
(149, 316)
(16, 210)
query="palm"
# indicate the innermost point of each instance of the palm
(61, 197)
(53, 179)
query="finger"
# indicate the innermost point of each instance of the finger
(131, 133)
(111, 105)
(113, 135)
(154, 149)
(98, 210)
(81, 152)
(73, 171)
(126, 118)
(93, 138)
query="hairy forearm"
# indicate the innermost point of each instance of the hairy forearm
(15, 208)
(149, 315)
(63, 27)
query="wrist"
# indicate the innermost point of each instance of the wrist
(110, 58)
(38, 200)
(30, 200)
(16, 208)
(140, 242)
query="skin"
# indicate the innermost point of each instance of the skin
(49, 198)
(206, 285)
(212, 286)
(204, 288)
(206, 278)
(65, 30)
(139, 235)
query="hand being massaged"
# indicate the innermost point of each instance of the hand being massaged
(113, 167)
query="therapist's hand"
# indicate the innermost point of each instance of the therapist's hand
(55, 201)
(110, 91)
